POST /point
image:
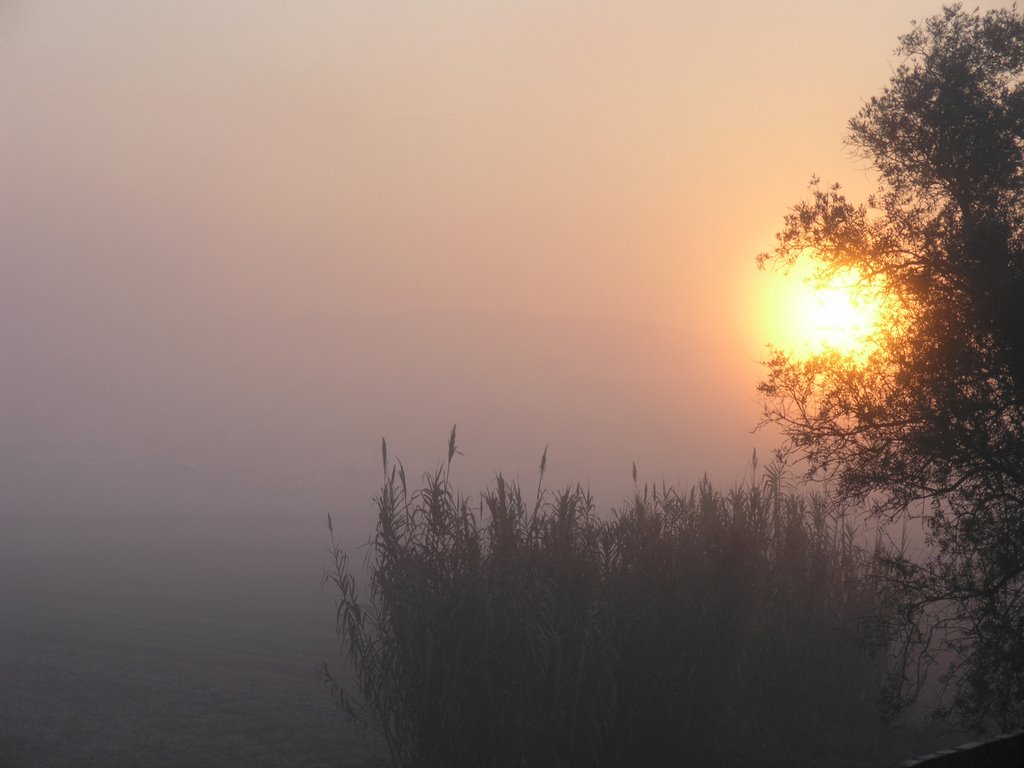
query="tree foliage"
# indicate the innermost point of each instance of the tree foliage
(933, 419)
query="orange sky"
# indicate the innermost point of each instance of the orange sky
(242, 241)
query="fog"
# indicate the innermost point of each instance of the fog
(244, 242)
(240, 249)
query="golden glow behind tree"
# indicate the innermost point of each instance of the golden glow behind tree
(934, 410)
(819, 309)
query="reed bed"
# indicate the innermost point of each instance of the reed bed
(685, 627)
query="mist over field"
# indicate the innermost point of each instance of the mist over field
(241, 244)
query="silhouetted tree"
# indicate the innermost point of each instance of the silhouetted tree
(933, 419)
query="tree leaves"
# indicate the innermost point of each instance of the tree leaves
(937, 413)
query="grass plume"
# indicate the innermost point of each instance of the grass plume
(498, 633)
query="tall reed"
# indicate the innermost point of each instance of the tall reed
(511, 633)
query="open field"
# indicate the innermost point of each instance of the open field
(164, 657)
(123, 686)
(197, 656)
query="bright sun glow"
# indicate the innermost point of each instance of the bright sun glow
(842, 315)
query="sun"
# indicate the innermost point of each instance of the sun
(841, 315)
(812, 315)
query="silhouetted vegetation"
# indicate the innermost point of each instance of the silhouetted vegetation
(516, 632)
(933, 422)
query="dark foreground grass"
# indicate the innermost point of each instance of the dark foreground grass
(696, 627)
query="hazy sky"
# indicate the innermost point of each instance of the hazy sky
(241, 241)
